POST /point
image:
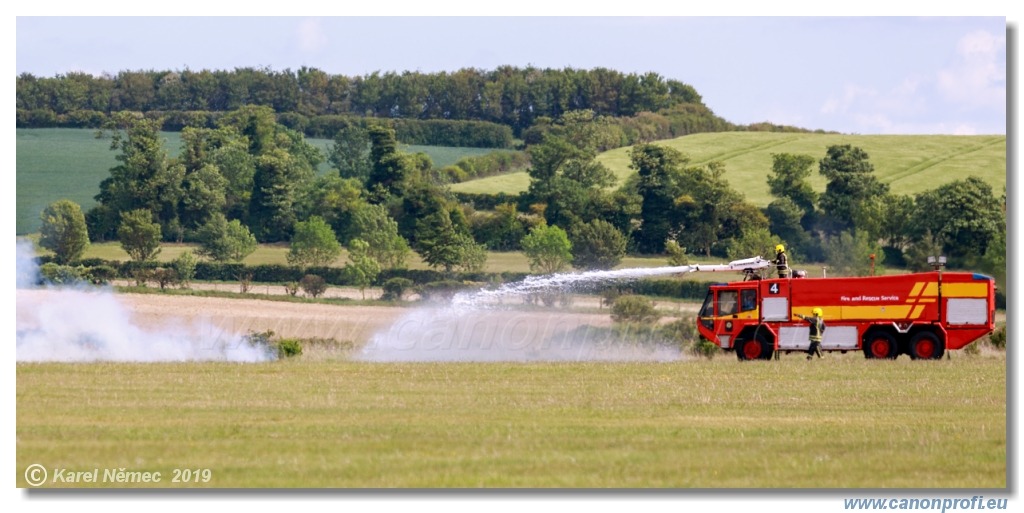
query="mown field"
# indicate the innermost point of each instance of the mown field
(908, 163)
(56, 163)
(843, 422)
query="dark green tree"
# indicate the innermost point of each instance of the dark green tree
(896, 227)
(564, 173)
(333, 198)
(658, 172)
(145, 178)
(350, 154)
(139, 235)
(964, 215)
(389, 170)
(853, 196)
(314, 244)
(709, 212)
(224, 241)
(441, 243)
(597, 245)
(373, 225)
(279, 177)
(788, 179)
(64, 231)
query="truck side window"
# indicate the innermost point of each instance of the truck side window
(748, 300)
(727, 302)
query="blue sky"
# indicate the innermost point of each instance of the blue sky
(866, 75)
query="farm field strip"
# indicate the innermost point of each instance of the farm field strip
(839, 423)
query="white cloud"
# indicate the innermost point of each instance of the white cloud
(311, 35)
(977, 75)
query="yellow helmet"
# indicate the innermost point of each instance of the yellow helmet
(779, 248)
(817, 312)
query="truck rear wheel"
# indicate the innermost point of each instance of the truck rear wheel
(879, 344)
(926, 346)
(757, 348)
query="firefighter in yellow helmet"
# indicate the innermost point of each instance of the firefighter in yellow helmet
(781, 261)
(817, 330)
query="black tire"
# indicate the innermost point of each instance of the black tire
(757, 348)
(926, 345)
(880, 344)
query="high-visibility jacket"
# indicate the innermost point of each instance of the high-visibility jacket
(817, 328)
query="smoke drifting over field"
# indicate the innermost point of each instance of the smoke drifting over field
(477, 327)
(83, 324)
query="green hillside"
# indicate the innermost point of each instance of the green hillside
(908, 163)
(56, 163)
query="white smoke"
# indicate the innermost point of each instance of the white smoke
(84, 324)
(477, 327)
(495, 334)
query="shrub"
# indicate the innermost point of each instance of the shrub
(100, 274)
(395, 288)
(313, 285)
(244, 282)
(292, 288)
(636, 309)
(185, 268)
(288, 347)
(705, 349)
(440, 290)
(164, 277)
(57, 274)
(998, 338)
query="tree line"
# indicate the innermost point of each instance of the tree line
(252, 179)
(508, 95)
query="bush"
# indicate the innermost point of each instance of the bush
(441, 290)
(313, 285)
(292, 288)
(57, 274)
(185, 268)
(998, 338)
(288, 347)
(100, 274)
(395, 288)
(705, 349)
(635, 309)
(164, 277)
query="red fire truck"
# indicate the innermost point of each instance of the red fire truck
(919, 314)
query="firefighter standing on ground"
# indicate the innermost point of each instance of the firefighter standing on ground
(816, 331)
(781, 261)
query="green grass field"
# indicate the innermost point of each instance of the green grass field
(908, 163)
(57, 163)
(840, 423)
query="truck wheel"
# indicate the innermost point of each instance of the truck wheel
(879, 344)
(757, 348)
(926, 346)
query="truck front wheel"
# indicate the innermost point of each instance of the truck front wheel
(757, 348)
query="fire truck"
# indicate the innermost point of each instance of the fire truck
(919, 314)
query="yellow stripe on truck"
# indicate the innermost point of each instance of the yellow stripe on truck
(876, 312)
(916, 290)
(931, 289)
(965, 290)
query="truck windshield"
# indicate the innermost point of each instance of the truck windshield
(708, 308)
